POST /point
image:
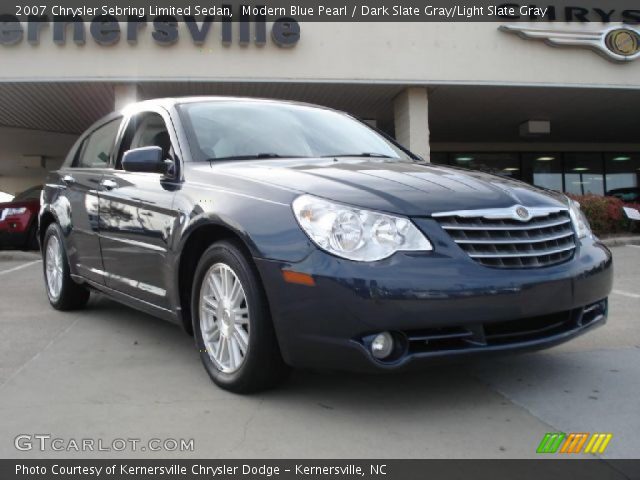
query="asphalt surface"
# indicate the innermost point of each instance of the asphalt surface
(109, 372)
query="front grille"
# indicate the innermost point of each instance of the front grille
(505, 243)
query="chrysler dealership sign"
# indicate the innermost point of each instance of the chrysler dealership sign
(164, 29)
(620, 43)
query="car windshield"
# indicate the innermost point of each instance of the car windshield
(240, 130)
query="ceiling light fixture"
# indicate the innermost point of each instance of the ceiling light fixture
(545, 159)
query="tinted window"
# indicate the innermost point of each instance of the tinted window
(583, 173)
(95, 150)
(623, 175)
(438, 157)
(505, 164)
(543, 169)
(223, 130)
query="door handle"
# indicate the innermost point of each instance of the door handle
(68, 179)
(109, 184)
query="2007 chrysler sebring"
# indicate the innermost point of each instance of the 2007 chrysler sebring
(284, 234)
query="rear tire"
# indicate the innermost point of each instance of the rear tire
(64, 294)
(231, 322)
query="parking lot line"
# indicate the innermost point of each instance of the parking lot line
(633, 246)
(19, 267)
(626, 294)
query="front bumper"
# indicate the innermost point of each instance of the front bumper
(437, 304)
(12, 238)
(14, 230)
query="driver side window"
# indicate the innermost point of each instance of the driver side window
(146, 130)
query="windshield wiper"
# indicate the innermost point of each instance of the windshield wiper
(264, 155)
(256, 156)
(363, 154)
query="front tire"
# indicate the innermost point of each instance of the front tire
(231, 322)
(64, 294)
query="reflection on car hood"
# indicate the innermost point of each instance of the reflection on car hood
(398, 187)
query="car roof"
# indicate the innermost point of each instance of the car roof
(168, 102)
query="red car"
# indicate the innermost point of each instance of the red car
(19, 220)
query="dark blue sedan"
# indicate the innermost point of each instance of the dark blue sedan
(287, 235)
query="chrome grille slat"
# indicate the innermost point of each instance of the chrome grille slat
(544, 240)
(503, 227)
(521, 254)
(516, 240)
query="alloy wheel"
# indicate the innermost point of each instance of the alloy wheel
(53, 264)
(224, 318)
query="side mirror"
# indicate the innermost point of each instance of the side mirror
(144, 159)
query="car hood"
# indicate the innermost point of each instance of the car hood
(409, 188)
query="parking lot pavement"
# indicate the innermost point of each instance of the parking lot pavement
(109, 372)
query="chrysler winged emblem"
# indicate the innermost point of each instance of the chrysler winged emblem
(620, 43)
(522, 213)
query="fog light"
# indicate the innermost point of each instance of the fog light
(382, 345)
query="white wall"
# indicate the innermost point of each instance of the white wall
(20, 164)
(422, 53)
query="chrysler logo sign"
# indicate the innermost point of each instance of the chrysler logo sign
(617, 43)
(623, 41)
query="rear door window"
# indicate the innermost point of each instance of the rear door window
(96, 149)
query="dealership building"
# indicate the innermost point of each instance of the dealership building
(495, 96)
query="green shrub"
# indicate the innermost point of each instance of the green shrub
(605, 214)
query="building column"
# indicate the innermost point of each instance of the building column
(411, 118)
(125, 94)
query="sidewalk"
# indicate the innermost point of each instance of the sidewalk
(619, 241)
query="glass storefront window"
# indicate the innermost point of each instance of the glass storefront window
(505, 164)
(579, 173)
(583, 173)
(623, 175)
(439, 158)
(543, 170)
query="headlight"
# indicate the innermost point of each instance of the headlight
(356, 234)
(580, 222)
(15, 211)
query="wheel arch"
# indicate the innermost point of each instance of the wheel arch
(45, 219)
(192, 247)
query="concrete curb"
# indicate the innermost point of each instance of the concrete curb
(621, 241)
